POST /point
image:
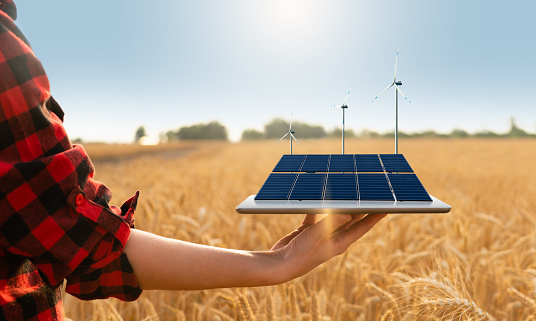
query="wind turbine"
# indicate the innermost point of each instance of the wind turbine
(291, 136)
(396, 84)
(343, 107)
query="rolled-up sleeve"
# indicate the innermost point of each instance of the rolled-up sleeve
(52, 211)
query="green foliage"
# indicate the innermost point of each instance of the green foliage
(140, 132)
(516, 131)
(459, 133)
(278, 127)
(252, 134)
(212, 130)
(337, 132)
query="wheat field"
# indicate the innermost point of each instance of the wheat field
(477, 262)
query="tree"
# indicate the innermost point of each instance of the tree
(337, 132)
(278, 127)
(212, 130)
(140, 132)
(514, 130)
(459, 133)
(252, 134)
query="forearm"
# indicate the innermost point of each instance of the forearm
(163, 263)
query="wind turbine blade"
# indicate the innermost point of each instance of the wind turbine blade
(396, 63)
(294, 138)
(283, 136)
(290, 124)
(400, 91)
(336, 106)
(344, 102)
(391, 85)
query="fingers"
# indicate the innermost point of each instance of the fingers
(307, 221)
(357, 229)
(329, 224)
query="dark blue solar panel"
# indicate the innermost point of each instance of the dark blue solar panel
(308, 186)
(368, 163)
(341, 163)
(374, 187)
(289, 163)
(341, 187)
(315, 163)
(395, 163)
(407, 187)
(276, 187)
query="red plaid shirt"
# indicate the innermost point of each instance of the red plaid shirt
(55, 221)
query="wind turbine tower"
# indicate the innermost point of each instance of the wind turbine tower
(396, 84)
(343, 107)
(291, 136)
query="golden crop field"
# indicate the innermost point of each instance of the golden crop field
(477, 262)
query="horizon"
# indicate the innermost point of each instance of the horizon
(167, 65)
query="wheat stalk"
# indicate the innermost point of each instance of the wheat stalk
(455, 307)
(270, 309)
(245, 308)
(315, 308)
(521, 297)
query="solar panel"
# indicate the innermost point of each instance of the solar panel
(374, 186)
(308, 186)
(368, 163)
(341, 163)
(361, 183)
(395, 163)
(315, 163)
(276, 187)
(341, 187)
(407, 187)
(289, 163)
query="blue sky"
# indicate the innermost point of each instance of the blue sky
(167, 63)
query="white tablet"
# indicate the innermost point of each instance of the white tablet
(252, 206)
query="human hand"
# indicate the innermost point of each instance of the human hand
(313, 243)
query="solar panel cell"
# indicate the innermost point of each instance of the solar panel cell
(368, 163)
(407, 187)
(289, 163)
(395, 163)
(315, 163)
(341, 187)
(276, 187)
(341, 163)
(374, 186)
(308, 186)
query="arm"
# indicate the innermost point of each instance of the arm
(163, 263)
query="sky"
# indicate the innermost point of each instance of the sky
(164, 64)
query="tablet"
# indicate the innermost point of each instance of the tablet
(342, 183)
(252, 206)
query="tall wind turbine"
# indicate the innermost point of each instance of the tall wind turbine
(396, 84)
(291, 136)
(343, 107)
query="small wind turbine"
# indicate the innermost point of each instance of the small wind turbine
(396, 84)
(291, 136)
(343, 107)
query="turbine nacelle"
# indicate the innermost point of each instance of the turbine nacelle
(396, 84)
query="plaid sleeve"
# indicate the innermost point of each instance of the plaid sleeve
(51, 210)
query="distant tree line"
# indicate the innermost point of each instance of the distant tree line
(212, 130)
(279, 127)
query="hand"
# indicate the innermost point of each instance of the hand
(313, 243)
(169, 264)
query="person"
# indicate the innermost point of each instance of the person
(56, 223)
